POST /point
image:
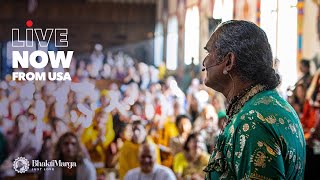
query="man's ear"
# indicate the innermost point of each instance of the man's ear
(230, 61)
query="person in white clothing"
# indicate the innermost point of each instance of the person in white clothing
(68, 150)
(148, 169)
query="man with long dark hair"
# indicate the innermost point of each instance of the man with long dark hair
(68, 150)
(262, 137)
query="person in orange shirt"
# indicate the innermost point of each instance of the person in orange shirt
(311, 106)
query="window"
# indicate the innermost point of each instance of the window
(158, 44)
(191, 44)
(269, 22)
(282, 35)
(172, 44)
(223, 10)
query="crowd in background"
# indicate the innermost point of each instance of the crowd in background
(304, 97)
(118, 114)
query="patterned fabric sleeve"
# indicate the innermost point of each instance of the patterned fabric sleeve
(257, 154)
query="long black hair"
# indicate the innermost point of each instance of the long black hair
(190, 137)
(249, 44)
(58, 149)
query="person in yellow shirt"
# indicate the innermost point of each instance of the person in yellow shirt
(165, 133)
(104, 100)
(97, 138)
(183, 123)
(162, 139)
(162, 71)
(190, 163)
(128, 158)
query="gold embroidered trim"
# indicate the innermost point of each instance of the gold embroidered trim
(238, 101)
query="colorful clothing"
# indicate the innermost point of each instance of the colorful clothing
(176, 144)
(168, 131)
(128, 158)
(264, 140)
(165, 134)
(186, 169)
(97, 152)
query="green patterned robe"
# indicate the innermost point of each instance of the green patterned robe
(263, 141)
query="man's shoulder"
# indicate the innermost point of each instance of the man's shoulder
(163, 168)
(269, 103)
(133, 172)
(86, 166)
(267, 109)
(87, 169)
(268, 97)
(87, 163)
(165, 171)
(160, 170)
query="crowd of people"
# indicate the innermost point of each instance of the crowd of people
(304, 97)
(110, 119)
(123, 119)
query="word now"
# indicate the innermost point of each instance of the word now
(60, 37)
(25, 59)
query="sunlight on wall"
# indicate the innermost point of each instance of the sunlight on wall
(158, 44)
(282, 35)
(172, 44)
(192, 36)
(223, 9)
(287, 43)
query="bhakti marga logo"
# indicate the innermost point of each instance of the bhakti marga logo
(21, 165)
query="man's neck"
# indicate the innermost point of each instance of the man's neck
(235, 87)
(150, 172)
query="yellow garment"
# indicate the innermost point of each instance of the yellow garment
(162, 71)
(128, 158)
(165, 134)
(168, 131)
(181, 165)
(91, 134)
